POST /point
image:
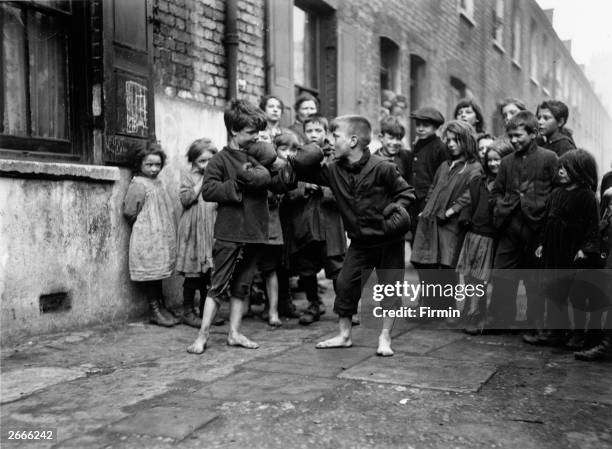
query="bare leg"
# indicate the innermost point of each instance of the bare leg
(384, 339)
(272, 290)
(210, 310)
(235, 338)
(343, 339)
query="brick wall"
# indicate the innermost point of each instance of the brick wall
(190, 60)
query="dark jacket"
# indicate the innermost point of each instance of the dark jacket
(362, 190)
(402, 159)
(560, 143)
(427, 155)
(478, 216)
(242, 215)
(524, 182)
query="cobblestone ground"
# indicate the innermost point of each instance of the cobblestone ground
(136, 387)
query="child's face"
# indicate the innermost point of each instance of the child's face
(283, 151)
(246, 137)
(468, 115)
(520, 138)
(342, 142)
(151, 165)
(509, 111)
(493, 161)
(202, 161)
(453, 144)
(390, 144)
(563, 176)
(424, 129)
(547, 123)
(273, 110)
(315, 132)
(306, 109)
(483, 144)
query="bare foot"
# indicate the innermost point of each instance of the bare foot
(339, 341)
(241, 340)
(198, 346)
(275, 321)
(384, 346)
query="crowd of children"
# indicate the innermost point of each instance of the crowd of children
(477, 209)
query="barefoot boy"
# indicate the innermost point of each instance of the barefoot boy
(372, 198)
(238, 183)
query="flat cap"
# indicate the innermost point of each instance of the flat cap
(428, 114)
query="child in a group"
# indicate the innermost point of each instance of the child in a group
(509, 107)
(569, 237)
(484, 140)
(468, 111)
(601, 300)
(238, 182)
(478, 251)
(152, 252)
(391, 134)
(439, 236)
(330, 254)
(552, 118)
(522, 186)
(428, 153)
(273, 108)
(371, 197)
(195, 231)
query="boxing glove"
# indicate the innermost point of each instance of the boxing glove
(263, 152)
(396, 220)
(253, 177)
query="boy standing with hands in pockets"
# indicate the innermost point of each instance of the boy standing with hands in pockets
(372, 198)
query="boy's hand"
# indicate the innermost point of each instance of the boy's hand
(253, 176)
(538, 251)
(449, 213)
(579, 255)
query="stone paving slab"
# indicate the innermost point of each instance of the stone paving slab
(258, 386)
(423, 341)
(484, 353)
(586, 382)
(423, 372)
(22, 382)
(172, 422)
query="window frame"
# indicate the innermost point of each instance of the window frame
(517, 30)
(467, 10)
(498, 24)
(74, 148)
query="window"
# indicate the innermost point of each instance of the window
(458, 91)
(389, 65)
(498, 23)
(533, 53)
(546, 78)
(305, 52)
(417, 87)
(516, 36)
(39, 51)
(466, 9)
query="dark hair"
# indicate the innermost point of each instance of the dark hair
(465, 138)
(241, 114)
(198, 147)
(484, 136)
(525, 119)
(264, 102)
(392, 126)
(356, 125)
(510, 100)
(305, 96)
(469, 103)
(606, 183)
(501, 146)
(139, 154)
(284, 138)
(316, 118)
(581, 168)
(557, 108)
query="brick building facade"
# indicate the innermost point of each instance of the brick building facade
(125, 72)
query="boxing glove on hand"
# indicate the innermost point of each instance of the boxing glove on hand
(307, 158)
(254, 177)
(396, 220)
(263, 152)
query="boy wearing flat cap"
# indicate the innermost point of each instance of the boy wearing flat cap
(428, 152)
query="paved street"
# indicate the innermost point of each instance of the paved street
(136, 387)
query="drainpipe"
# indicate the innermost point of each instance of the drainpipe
(231, 47)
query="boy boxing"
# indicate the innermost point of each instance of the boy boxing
(372, 199)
